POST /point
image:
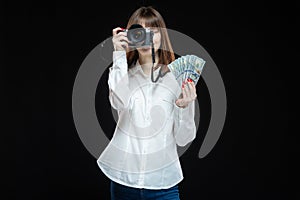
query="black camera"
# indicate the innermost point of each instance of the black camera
(138, 36)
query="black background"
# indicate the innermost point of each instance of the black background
(51, 39)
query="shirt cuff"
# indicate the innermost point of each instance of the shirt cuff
(120, 60)
(180, 113)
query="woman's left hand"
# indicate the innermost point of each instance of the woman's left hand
(188, 93)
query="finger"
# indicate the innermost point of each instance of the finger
(188, 90)
(122, 34)
(194, 91)
(188, 83)
(115, 30)
(124, 44)
(184, 92)
(180, 102)
(193, 85)
(123, 38)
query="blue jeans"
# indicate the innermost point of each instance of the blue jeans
(122, 192)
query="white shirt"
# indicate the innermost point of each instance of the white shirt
(143, 151)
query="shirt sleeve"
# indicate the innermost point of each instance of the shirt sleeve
(184, 128)
(118, 83)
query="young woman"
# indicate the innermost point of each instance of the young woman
(141, 160)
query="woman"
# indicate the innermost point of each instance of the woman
(141, 160)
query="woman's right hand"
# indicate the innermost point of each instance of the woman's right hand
(119, 40)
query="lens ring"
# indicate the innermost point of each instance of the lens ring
(136, 35)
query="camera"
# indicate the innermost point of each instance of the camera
(138, 36)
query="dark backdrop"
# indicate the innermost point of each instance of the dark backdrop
(51, 39)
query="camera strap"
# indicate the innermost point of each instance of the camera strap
(152, 70)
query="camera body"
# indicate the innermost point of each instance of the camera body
(138, 36)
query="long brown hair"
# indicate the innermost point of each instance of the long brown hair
(152, 18)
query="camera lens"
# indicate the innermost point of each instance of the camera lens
(136, 35)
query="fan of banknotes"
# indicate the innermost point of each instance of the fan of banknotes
(187, 67)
